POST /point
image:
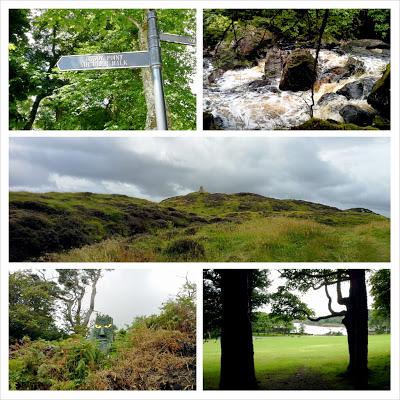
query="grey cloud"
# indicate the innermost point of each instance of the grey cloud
(344, 172)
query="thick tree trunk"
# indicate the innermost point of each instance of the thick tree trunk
(151, 122)
(237, 356)
(356, 323)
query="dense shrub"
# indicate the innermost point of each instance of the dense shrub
(185, 248)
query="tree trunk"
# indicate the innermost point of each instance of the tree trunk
(237, 355)
(315, 72)
(151, 122)
(34, 110)
(356, 323)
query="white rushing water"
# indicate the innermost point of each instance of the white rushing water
(237, 106)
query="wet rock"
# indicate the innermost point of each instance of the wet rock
(352, 67)
(258, 83)
(356, 115)
(216, 74)
(297, 74)
(211, 123)
(379, 98)
(368, 44)
(274, 63)
(353, 90)
(358, 89)
(328, 97)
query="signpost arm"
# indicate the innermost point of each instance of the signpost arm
(155, 67)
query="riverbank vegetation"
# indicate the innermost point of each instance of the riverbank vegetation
(297, 69)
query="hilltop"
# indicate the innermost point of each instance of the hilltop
(199, 226)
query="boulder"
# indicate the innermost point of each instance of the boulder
(215, 74)
(352, 67)
(251, 39)
(298, 74)
(357, 89)
(379, 98)
(356, 115)
(274, 63)
(210, 122)
(328, 97)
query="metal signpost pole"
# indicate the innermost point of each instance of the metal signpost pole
(155, 66)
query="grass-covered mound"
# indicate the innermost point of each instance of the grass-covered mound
(304, 363)
(197, 227)
(52, 222)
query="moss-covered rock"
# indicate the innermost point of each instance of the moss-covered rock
(330, 125)
(379, 98)
(381, 123)
(298, 71)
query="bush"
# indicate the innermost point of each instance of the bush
(149, 359)
(52, 365)
(185, 248)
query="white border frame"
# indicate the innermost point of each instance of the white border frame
(394, 264)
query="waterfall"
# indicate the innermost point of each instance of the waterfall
(237, 106)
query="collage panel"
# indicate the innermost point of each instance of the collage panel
(296, 329)
(102, 69)
(199, 200)
(102, 329)
(296, 69)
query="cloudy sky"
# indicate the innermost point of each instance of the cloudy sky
(342, 172)
(125, 294)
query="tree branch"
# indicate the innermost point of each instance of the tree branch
(336, 314)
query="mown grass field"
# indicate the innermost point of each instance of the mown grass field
(304, 362)
(241, 227)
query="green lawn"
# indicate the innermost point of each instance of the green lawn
(304, 362)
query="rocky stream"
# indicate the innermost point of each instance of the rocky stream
(266, 96)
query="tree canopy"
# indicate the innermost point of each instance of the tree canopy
(41, 97)
(299, 24)
(32, 307)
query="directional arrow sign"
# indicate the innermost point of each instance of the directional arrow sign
(137, 59)
(169, 37)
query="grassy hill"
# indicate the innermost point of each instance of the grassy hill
(196, 227)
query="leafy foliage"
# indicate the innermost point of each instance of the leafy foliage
(41, 97)
(212, 302)
(59, 365)
(297, 25)
(32, 307)
(380, 290)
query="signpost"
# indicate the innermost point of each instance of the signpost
(136, 59)
(170, 37)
